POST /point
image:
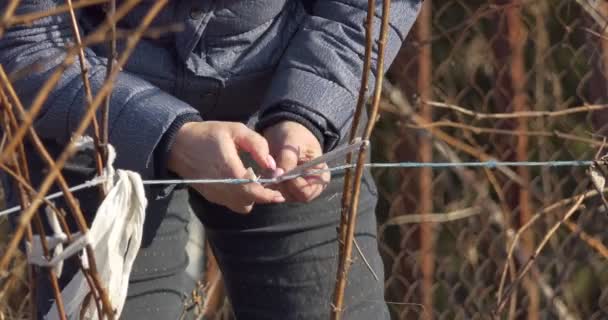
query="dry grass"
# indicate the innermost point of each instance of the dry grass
(14, 299)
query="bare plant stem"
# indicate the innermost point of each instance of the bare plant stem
(70, 148)
(427, 237)
(522, 273)
(345, 257)
(54, 78)
(112, 54)
(338, 298)
(31, 17)
(367, 64)
(519, 114)
(70, 199)
(8, 14)
(21, 170)
(87, 89)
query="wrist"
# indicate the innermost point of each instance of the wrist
(291, 133)
(314, 122)
(174, 152)
(281, 118)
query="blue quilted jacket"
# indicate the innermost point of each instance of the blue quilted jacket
(268, 60)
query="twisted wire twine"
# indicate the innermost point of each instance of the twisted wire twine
(434, 165)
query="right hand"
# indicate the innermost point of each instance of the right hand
(209, 150)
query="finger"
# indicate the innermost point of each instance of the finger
(240, 209)
(309, 187)
(232, 164)
(239, 202)
(287, 159)
(254, 144)
(218, 196)
(301, 190)
(278, 172)
(249, 193)
(322, 176)
(256, 193)
(318, 181)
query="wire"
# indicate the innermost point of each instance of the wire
(404, 165)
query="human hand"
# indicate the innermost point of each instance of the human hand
(209, 150)
(292, 144)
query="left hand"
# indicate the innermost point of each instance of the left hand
(292, 144)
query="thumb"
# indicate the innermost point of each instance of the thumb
(288, 158)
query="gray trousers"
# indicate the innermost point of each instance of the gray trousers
(279, 262)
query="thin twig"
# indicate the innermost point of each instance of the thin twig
(596, 13)
(569, 213)
(520, 114)
(346, 254)
(70, 199)
(365, 261)
(21, 170)
(102, 147)
(8, 14)
(88, 91)
(593, 242)
(31, 17)
(599, 35)
(54, 78)
(434, 217)
(396, 98)
(480, 130)
(548, 209)
(338, 297)
(55, 171)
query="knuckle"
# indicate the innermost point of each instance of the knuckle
(241, 210)
(220, 136)
(240, 206)
(240, 127)
(263, 143)
(288, 157)
(248, 195)
(298, 194)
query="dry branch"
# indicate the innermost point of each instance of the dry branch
(31, 17)
(479, 130)
(338, 296)
(346, 253)
(593, 242)
(87, 85)
(597, 10)
(99, 290)
(434, 217)
(27, 215)
(522, 273)
(52, 81)
(399, 106)
(21, 170)
(519, 114)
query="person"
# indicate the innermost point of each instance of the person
(276, 79)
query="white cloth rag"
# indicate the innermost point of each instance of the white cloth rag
(115, 236)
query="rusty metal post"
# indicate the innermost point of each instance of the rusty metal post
(517, 38)
(425, 64)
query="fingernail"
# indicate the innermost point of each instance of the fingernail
(279, 199)
(270, 162)
(250, 174)
(277, 172)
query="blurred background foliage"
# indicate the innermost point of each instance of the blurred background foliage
(488, 57)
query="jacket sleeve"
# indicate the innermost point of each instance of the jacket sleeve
(140, 113)
(319, 75)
